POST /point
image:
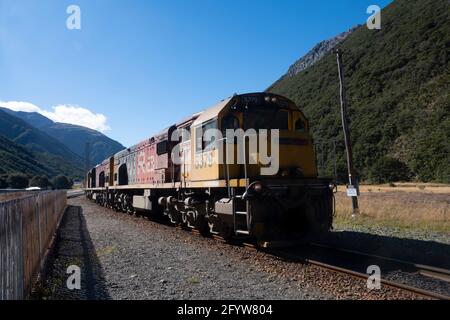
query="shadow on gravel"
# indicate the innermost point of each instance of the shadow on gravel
(74, 247)
(418, 251)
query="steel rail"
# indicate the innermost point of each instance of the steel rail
(389, 283)
(425, 270)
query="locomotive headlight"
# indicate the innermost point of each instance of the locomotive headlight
(332, 185)
(285, 173)
(258, 187)
(274, 100)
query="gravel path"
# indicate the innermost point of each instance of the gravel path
(125, 257)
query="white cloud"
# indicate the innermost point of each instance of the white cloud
(63, 113)
(20, 106)
(77, 115)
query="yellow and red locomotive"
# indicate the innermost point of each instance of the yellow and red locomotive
(192, 176)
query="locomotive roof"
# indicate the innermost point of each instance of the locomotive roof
(214, 111)
(187, 120)
(211, 112)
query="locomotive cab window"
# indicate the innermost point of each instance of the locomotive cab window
(267, 118)
(198, 139)
(230, 122)
(185, 134)
(202, 144)
(211, 141)
(300, 125)
(162, 147)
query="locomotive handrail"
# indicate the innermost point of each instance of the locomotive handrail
(184, 166)
(227, 170)
(245, 161)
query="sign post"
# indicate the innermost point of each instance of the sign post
(352, 188)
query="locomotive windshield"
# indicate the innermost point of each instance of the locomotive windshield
(264, 112)
(266, 118)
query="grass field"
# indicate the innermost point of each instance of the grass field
(418, 206)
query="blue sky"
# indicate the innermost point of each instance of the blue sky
(136, 67)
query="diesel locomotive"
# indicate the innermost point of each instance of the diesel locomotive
(188, 175)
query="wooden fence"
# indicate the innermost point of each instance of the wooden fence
(27, 226)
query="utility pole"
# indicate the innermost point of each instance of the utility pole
(352, 189)
(334, 160)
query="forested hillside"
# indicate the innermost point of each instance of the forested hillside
(398, 89)
(25, 149)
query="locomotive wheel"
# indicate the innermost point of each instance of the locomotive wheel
(227, 232)
(202, 225)
(184, 219)
(175, 217)
(213, 224)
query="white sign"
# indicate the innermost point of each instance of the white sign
(352, 191)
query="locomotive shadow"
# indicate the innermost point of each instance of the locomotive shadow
(74, 247)
(431, 253)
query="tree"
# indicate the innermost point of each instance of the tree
(389, 170)
(18, 181)
(40, 181)
(61, 182)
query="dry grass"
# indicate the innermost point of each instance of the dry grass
(406, 187)
(417, 209)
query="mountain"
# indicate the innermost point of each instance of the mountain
(398, 92)
(42, 151)
(34, 139)
(73, 137)
(316, 53)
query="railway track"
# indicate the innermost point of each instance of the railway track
(425, 270)
(441, 274)
(302, 253)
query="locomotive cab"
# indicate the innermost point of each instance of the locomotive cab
(263, 113)
(272, 191)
